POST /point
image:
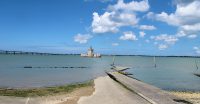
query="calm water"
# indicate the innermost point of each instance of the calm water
(171, 73)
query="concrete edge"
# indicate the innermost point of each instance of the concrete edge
(139, 94)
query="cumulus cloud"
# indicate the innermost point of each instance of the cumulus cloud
(118, 15)
(103, 23)
(163, 41)
(197, 49)
(128, 36)
(186, 16)
(142, 34)
(82, 38)
(115, 44)
(169, 39)
(112, 21)
(181, 34)
(141, 6)
(191, 28)
(147, 27)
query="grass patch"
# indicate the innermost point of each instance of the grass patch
(43, 91)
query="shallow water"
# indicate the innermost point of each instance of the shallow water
(171, 73)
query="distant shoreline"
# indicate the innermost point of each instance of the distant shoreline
(41, 53)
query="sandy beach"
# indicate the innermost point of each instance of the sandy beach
(193, 97)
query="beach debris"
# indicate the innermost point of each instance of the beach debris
(121, 70)
(182, 101)
(125, 73)
(198, 75)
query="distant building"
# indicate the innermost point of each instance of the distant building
(90, 53)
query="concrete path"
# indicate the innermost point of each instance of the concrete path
(12, 100)
(107, 91)
(148, 92)
(39, 100)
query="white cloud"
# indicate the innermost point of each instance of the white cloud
(103, 23)
(186, 17)
(118, 15)
(128, 36)
(181, 34)
(162, 46)
(168, 39)
(197, 49)
(170, 19)
(192, 36)
(82, 38)
(191, 28)
(115, 44)
(141, 6)
(112, 21)
(147, 27)
(164, 40)
(142, 34)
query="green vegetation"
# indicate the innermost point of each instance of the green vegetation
(43, 91)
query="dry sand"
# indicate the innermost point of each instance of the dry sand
(190, 96)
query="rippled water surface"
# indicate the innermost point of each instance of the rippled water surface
(171, 73)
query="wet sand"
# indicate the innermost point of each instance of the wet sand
(193, 97)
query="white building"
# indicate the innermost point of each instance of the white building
(90, 53)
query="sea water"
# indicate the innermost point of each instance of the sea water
(170, 73)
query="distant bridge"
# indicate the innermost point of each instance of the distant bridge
(29, 53)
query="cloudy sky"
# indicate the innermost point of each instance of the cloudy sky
(136, 27)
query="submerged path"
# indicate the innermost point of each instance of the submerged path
(107, 91)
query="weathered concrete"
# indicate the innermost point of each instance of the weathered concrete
(148, 92)
(107, 91)
(119, 68)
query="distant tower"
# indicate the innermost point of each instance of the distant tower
(90, 52)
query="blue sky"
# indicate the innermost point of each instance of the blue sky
(136, 27)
